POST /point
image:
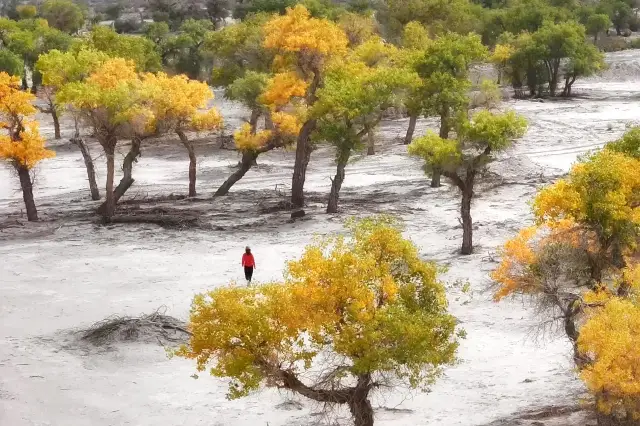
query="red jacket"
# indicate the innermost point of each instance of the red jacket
(248, 260)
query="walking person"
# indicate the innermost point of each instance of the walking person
(249, 264)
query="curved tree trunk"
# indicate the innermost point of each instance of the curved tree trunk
(336, 183)
(56, 123)
(27, 192)
(413, 119)
(110, 201)
(127, 168)
(192, 162)
(303, 155)
(248, 160)
(467, 223)
(88, 162)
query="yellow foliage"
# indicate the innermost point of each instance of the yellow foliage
(502, 53)
(176, 102)
(286, 124)
(298, 32)
(28, 149)
(282, 88)
(517, 256)
(611, 339)
(368, 298)
(23, 144)
(113, 73)
(601, 193)
(245, 140)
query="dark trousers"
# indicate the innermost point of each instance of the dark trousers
(248, 272)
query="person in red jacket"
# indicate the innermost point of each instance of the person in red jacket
(249, 264)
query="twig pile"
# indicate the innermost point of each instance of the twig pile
(155, 327)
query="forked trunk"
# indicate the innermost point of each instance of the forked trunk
(127, 169)
(56, 122)
(413, 119)
(192, 162)
(88, 162)
(336, 183)
(27, 192)
(248, 160)
(303, 154)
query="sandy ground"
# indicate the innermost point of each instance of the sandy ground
(67, 272)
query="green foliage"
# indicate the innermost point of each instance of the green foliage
(138, 49)
(59, 68)
(127, 26)
(628, 144)
(353, 98)
(542, 58)
(64, 15)
(11, 63)
(238, 48)
(478, 139)
(317, 8)
(597, 23)
(415, 36)
(438, 16)
(248, 88)
(368, 299)
(113, 11)
(27, 11)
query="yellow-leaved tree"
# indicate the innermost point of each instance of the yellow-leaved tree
(303, 47)
(179, 105)
(112, 103)
(580, 263)
(363, 310)
(22, 145)
(60, 68)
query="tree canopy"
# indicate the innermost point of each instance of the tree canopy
(368, 299)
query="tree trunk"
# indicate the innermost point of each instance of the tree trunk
(110, 201)
(88, 162)
(359, 404)
(127, 168)
(248, 160)
(303, 155)
(27, 192)
(467, 224)
(192, 162)
(413, 119)
(253, 121)
(361, 410)
(336, 183)
(444, 134)
(371, 142)
(56, 122)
